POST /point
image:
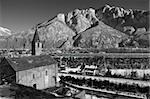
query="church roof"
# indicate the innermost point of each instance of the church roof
(25, 63)
(36, 36)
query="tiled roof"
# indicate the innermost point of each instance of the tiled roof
(25, 63)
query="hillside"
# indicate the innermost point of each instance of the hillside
(100, 36)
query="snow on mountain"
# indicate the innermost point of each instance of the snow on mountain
(5, 31)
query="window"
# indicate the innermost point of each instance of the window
(46, 73)
(38, 44)
(33, 76)
(34, 86)
(42, 46)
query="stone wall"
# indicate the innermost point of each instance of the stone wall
(41, 77)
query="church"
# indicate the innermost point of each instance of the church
(38, 71)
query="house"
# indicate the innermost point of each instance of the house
(37, 71)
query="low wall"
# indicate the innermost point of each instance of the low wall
(123, 72)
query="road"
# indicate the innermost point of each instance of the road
(125, 94)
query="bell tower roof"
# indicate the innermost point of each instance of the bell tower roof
(36, 36)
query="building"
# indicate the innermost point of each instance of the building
(36, 71)
(37, 44)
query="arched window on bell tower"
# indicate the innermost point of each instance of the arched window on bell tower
(38, 44)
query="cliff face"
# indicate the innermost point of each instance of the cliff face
(119, 18)
(88, 28)
(80, 20)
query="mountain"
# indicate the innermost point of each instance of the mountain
(55, 33)
(107, 27)
(133, 22)
(119, 18)
(100, 36)
(5, 32)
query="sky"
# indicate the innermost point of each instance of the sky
(21, 15)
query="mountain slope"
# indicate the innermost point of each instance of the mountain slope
(55, 33)
(100, 36)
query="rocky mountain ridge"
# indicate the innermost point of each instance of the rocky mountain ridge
(106, 27)
(120, 18)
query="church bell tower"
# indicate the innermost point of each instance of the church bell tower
(37, 45)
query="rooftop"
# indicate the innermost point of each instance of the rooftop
(25, 63)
